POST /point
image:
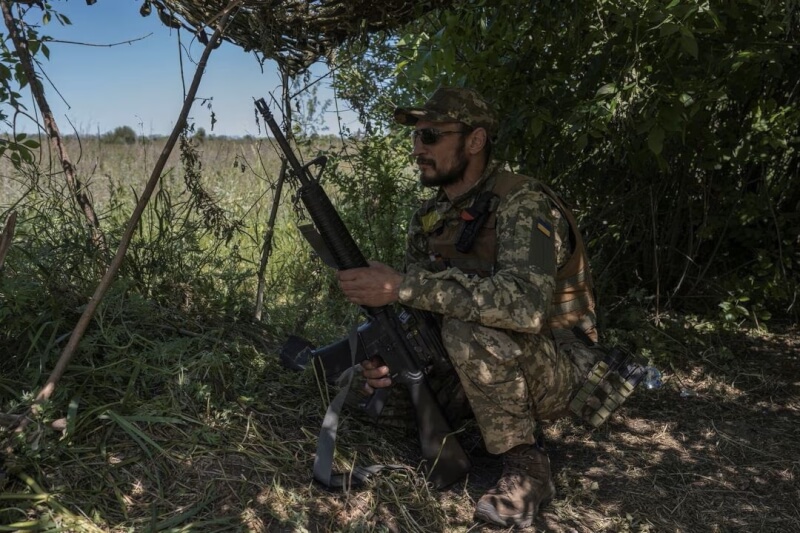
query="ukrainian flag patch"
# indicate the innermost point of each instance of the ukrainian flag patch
(544, 226)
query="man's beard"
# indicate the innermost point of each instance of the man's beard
(442, 179)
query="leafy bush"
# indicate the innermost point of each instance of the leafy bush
(120, 135)
(671, 127)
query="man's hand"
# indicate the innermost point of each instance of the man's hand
(373, 286)
(376, 373)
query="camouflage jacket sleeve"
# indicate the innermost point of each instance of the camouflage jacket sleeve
(518, 294)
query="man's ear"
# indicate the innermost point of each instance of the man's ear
(477, 140)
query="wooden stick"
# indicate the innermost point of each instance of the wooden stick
(7, 236)
(51, 127)
(116, 262)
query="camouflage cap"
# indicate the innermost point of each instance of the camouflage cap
(452, 104)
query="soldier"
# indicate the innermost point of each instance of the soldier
(497, 256)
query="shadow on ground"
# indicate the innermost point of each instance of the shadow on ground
(716, 449)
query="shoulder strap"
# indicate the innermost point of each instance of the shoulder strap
(474, 218)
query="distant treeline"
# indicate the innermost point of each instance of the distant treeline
(127, 135)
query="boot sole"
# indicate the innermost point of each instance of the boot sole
(488, 513)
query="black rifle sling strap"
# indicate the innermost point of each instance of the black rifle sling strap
(326, 445)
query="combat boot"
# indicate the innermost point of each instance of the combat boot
(525, 485)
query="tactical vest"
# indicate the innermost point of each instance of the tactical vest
(573, 300)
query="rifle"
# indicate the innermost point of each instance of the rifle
(401, 340)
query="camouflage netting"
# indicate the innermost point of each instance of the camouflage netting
(295, 33)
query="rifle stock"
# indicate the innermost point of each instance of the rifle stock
(444, 459)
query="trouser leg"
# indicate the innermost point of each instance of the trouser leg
(511, 380)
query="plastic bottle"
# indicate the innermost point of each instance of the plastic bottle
(652, 378)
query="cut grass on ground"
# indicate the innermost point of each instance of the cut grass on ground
(716, 449)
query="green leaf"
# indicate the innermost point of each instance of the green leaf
(141, 438)
(655, 140)
(536, 126)
(608, 88)
(668, 28)
(583, 140)
(689, 43)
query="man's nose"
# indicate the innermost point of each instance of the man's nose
(417, 147)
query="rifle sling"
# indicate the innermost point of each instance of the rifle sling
(326, 445)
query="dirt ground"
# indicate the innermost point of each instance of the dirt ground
(716, 449)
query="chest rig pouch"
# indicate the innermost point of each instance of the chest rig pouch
(606, 377)
(467, 242)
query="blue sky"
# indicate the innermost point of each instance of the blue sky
(139, 84)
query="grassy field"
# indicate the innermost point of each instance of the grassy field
(176, 416)
(181, 236)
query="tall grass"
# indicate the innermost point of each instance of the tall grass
(174, 412)
(177, 255)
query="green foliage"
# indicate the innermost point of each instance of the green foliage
(376, 195)
(120, 135)
(307, 112)
(50, 266)
(671, 127)
(16, 146)
(214, 216)
(13, 79)
(19, 150)
(10, 76)
(150, 385)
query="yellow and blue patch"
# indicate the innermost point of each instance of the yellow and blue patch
(543, 249)
(544, 226)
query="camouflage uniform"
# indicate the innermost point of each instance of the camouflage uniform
(494, 327)
(499, 293)
(494, 324)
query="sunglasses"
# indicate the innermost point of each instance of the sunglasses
(431, 135)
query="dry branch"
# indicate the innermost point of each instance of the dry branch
(51, 127)
(268, 235)
(6, 236)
